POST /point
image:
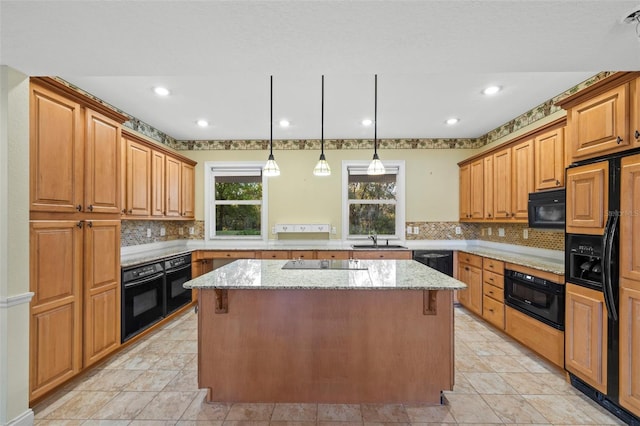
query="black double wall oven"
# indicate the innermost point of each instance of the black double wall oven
(151, 291)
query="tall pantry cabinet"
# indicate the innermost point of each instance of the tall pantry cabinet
(75, 205)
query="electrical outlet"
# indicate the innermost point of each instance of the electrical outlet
(489, 231)
(334, 231)
(148, 232)
(163, 231)
(180, 231)
(525, 233)
(273, 230)
(458, 230)
(482, 232)
(416, 230)
(192, 230)
(409, 230)
(500, 232)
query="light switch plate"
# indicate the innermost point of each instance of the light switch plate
(148, 232)
(192, 230)
(489, 231)
(416, 230)
(180, 231)
(163, 231)
(500, 232)
(458, 230)
(525, 233)
(409, 230)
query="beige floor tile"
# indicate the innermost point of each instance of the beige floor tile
(152, 380)
(141, 361)
(174, 361)
(471, 363)
(250, 412)
(201, 410)
(339, 413)
(124, 406)
(535, 364)
(337, 423)
(429, 414)
(108, 380)
(245, 423)
(199, 423)
(513, 409)
(537, 383)
(82, 405)
(504, 364)
(167, 406)
(383, 413)
(161, 345)
(152, 423)
(560, 409)
(52, 403)
(470, 409)
(295, 412)
(462, 385)
(187, 347)
(489, 383)
(58, 422)
(292, 423)
(106, 423)
(185, 380)
(485, 348)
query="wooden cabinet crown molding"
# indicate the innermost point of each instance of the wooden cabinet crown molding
(64, 90)
(598, 88)
(129, 134)
(555, 124)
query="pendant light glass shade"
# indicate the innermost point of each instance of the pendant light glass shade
(375, 167)
(322, 167)
(271, 168)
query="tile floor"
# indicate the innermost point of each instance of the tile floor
(154, 383)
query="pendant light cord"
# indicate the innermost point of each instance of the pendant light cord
(271, 122)
(322, 119)
(375, 117)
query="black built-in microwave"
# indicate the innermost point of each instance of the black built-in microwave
(547, 209)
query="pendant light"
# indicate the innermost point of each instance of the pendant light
(376, 167)
(271, 168)
(322, 167)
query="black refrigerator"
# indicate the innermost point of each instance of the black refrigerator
(592, 248)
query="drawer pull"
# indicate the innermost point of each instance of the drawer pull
(490, 279)
(637, 134)
(618, 140)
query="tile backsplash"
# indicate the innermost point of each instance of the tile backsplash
(134, 232)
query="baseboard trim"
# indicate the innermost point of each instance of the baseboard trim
(24, 419)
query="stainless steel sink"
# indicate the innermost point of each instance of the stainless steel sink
(378, 247)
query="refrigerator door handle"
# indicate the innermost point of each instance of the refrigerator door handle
(608, 239)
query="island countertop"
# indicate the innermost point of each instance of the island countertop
(258, 274)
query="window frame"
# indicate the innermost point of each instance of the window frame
(209, 200)
(399, 165)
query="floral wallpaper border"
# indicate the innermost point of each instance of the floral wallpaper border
(543, 110)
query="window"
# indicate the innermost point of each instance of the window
(236, 200)
(373, 204)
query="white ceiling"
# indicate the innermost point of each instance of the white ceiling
(432, 59)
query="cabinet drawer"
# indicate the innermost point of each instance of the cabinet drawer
(493, 312)
(493, 265)
(302, 254)
(275, 254)
(545, 340)
(332, 254)
(230, 255)
(382, 254)
(470, 259)
(492, 278)
(494, 292)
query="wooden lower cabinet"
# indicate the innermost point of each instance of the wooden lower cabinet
(630, 346)
(382, 254)
(543, 339)
(333, 254)
(493, 311)
(586, 335)
(470, 273)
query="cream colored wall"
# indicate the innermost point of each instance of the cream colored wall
(296, 196)
(14, 247)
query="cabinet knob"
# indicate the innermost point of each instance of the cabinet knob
(90, 208)
(637, 134)
(124, 211)
(618, 140)
(79, 224)
(557, 182)
(513, 214)
(90, 224)
(466, 268)
(130, 211)
(489, 214)
(507, 214)
(79, 207)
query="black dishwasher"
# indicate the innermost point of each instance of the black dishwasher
(440, 260)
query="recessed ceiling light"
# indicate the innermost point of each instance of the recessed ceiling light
(491, 90)
(452, 120)
(284, 123)
(161, 91)
(202, 123)
(367, 122)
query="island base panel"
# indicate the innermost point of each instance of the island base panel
(329, 346)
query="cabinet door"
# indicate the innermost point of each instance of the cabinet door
(462, 275)
(630, 218)
(56, 153)
(523, 179)
(55, 352)
(187, 191)
(173, 187)
(476, 203)
(101, 289)
(635, 113)
(488, 187)
(549, 163)
(157, 184)
(630, 346)
(586, 335)
(465, 192)
(138, 179)
(102, 164)
(587, 198)
(600, 125)
(502, 184)
(475, 289)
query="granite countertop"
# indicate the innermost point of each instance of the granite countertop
(152, 256)
(555, 266)
(378, 275)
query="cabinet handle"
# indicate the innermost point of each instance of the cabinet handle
(557, 182)
(491, 310)
(513, 214)
(79, 224)
(466, 268)
(507, 214)
(491, 266)
(637, 134)
(124, 211)
(618, 140)
(490, 291)
(130, 211)
(490, 279)
(90, 208)
(90, 224)
(79, 207)
(489, 215)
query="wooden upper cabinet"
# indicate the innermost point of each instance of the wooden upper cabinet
(630, 218)
(502, 184)
(587, 198)
(549, 160)
(523, 178)
(188, 190)
(600, 125)
(488, 187)
(476, 203)
(102, 164)
(173, 187)
(101, 289)
(56, 152)
(465, 191)
(586, 335)
(138, 179)
(157, 183)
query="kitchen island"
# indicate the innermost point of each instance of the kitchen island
(334, 331)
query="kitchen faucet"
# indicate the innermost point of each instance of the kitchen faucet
(374, 237)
